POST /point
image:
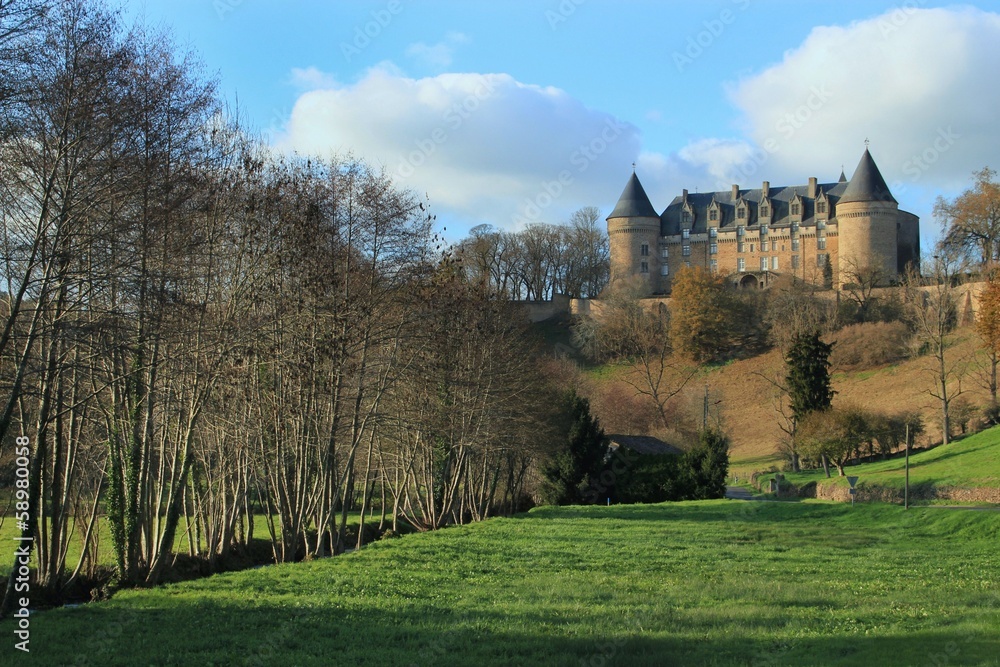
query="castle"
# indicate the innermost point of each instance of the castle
(819, 232)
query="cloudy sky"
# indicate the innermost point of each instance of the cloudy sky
(525, 110)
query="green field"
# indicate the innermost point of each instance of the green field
(972, 462)
(707, 583)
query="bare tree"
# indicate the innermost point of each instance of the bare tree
(933, 314)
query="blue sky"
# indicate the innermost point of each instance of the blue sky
(523, 110)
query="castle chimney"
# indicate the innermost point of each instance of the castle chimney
(812, 187)
(685, 197)
(736, 191)
(766, 189)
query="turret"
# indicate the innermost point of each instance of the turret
(634, 232)
(867, 214)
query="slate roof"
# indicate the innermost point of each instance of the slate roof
(780, 197)
(642, 444)
(634, 203)
(867, 184)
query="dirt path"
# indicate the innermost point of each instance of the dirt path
(738, 493)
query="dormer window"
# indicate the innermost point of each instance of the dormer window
(821, 207)
(713, 215)
(796, 209)
(765, 211)
(686, 217)
(741, 213)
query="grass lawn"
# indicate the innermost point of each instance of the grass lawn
(971, 462)
(708, 583)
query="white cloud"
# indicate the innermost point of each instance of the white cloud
(484, 147)
(438, 55)
(312, 78)
(913, 81)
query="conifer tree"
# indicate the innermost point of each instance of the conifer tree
(577, 464)
(808, 379)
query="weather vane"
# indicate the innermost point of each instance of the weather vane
(866, 142)
(633, 167)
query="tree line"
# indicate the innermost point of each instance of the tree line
(206, 342)
(541, 260)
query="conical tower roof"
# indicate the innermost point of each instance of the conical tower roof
(634, 203)
(867, 184)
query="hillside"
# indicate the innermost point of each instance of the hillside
(743, 396)
(964, 470)
(708, 583)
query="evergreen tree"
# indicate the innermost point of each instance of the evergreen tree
(707, 466)
(577, 464)
(808, 379)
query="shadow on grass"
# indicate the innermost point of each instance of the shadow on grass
(198, 632)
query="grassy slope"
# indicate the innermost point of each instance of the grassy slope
(711, 583)
(746, 390)
(751, 419)
(973, 462)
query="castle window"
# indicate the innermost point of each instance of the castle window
(821, 207)
(740, 247)
(751, 247)
(713, 249)
(713, 266)
(795, 228)
(765, 211)
(741, 264)
(764, 246)
(796, 209)
(741, 213)
(774, 263)
(663, 252)
(795, 262)
(686, 217)
(763, 230)
(713, 232)
(763, 263)
(644, 267)
(821, 243)
(741, 230)
(664, 270)
(685, 233)
(795, 245)
(644, 250)
(713, 214)
(686, 250)
(821, 259)
(820, 224)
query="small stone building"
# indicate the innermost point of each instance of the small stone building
(754, 235)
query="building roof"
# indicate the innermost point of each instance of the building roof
(642, 444)
(867, 184)
(780, 199)
(633, 203)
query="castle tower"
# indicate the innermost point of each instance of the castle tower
(867, 216)
(634, 230)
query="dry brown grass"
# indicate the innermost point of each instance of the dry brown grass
(748, 398)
